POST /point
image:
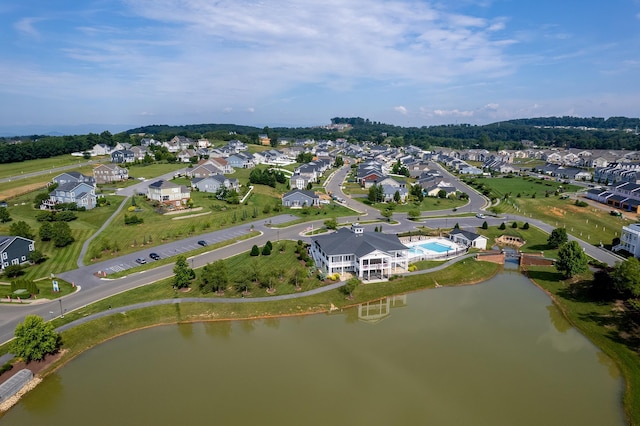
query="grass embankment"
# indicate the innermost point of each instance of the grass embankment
(603, 322)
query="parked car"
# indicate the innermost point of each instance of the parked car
(480, 216)
(203, 243)
(141, 260)
(154, 256)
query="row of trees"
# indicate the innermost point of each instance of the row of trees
(267, 177)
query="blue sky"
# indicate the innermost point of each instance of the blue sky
(118, 64)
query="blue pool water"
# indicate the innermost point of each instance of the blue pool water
(435, 246)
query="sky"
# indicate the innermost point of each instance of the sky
(116, 64)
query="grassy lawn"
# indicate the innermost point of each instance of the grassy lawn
(536, 239)
(45, 286)
(40, 164)
(514, 185)
(602, 322)
(427, 264)
(59, 259)
(14, 188)
(587, 223)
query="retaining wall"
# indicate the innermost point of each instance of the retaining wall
(14, 384)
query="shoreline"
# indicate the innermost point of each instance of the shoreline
(65, 356)
(69, 356)
(627, 388)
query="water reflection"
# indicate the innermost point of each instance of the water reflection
(374, 312)
(557, 319)
(490, 354)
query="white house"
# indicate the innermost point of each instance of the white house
(369, 256)
(468, 239)
(630, 240)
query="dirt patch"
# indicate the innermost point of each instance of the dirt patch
(35, 366)
(15, 192)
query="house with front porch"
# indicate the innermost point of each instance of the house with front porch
(80, 193)
(368, 256)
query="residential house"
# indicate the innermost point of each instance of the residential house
(630, 240)
(389, 193)
(106, 173)
(123, 156)
(185, 155)
(100, 149)
(369, 256)
(203, 170)
(222, 164)
(264, 139)
(83, 194)
(122, 145)
(168, 193)
(241, 161)
(14, 250)
(75, 177)
(213, 183)
(468, 239)
(299, 181)
(298, 198)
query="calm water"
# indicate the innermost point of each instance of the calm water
(491, 354)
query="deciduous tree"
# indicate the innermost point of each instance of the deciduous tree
(571, 259)
(34, 339)
(626, 277)
(557, 237)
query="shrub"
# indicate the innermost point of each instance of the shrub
(526, 225)
(502, 226)
(255, 251)
(266, 250)
(6, 367)
(514, 225)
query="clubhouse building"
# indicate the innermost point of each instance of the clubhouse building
(369, 256)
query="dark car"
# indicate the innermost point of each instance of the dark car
(203, 243)
(154, 256)
(141, 260)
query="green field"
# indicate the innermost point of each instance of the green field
(510, 186)
(590, 224)
(41, 164)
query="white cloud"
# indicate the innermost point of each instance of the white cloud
(26, 26)
(402, 110)
(452, 113)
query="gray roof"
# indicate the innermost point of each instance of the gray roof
(309, 194)
(346, 242)
(467, 234)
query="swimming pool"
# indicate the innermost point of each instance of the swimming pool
(436, 246)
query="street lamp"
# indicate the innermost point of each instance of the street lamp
(61, 311)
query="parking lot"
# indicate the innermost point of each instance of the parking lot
(173, 249)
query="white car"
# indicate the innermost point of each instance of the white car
(480, 216)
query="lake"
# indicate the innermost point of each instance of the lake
(497, 353)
